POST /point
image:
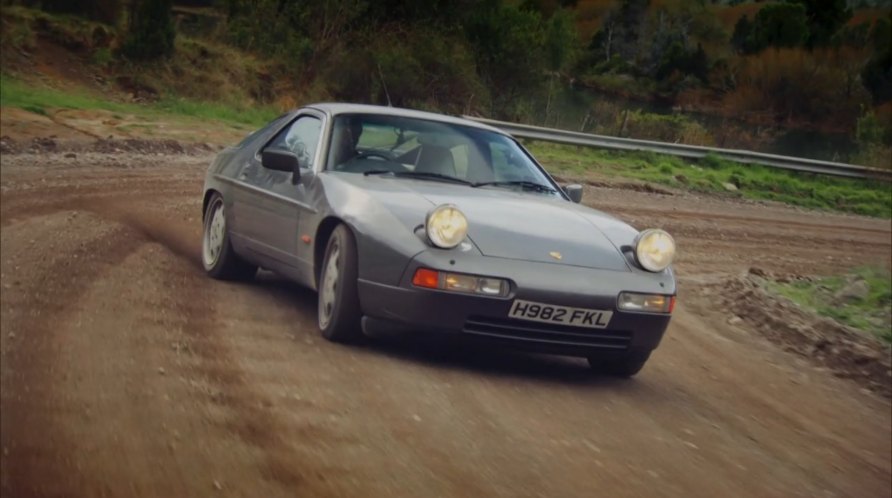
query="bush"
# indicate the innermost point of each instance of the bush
(795, 86)
(106, 11)
(102, 57)
(672, 128)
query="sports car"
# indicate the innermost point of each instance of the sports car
(417, 222)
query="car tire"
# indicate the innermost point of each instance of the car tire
(338, 309)
(217, 256)
(625, 366)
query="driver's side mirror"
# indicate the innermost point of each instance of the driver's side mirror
(282, 160)
(574, 192)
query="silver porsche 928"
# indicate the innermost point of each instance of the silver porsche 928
(419, 222)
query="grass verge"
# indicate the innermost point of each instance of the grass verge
(41, 99)
(861, 299)
(713, 174)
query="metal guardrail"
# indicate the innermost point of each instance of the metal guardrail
(688, 151)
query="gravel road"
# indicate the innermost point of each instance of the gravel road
(127, 372)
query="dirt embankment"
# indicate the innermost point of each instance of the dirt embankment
(126, 372)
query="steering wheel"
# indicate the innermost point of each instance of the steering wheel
(379, 155)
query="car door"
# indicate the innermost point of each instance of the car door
(269, 205)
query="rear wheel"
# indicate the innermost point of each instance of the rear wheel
(339, 313)
(217, 256)
(625, 366)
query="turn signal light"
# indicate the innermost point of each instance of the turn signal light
(459, 282)
(426, 278)
(649, 303)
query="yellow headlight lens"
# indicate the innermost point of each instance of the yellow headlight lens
(446, 226)
(655, 250)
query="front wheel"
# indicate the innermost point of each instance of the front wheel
(339, 313)
(217, 256)
(625, 366)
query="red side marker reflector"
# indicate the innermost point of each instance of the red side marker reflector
(426, 278)
(671, 304)
(305, 239)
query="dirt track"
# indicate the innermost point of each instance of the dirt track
(127, 372)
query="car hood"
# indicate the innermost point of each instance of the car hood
(508, 224)
(526, 227)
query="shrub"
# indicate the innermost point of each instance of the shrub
(665, 128)
(102, 57)
(107, 11)
(796, 86)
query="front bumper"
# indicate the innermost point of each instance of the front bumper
(408, 308)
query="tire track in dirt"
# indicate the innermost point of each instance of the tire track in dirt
(17, 207)
(194, 303)
(29, 467)
(195, 307)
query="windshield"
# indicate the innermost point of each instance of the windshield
(368, 143)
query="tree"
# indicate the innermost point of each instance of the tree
(852, 36)
(881, 35)
(620, 31)
(560, 40)
(441, 12)
(603, 41)
(877, 72)
(546, 8)
(778, 25)
(631, 17)
(742, 31)
(151, 33)
(560, 50)
(825, 18)
(678, 59)
(508, 43)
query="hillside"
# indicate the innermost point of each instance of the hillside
(661, 69)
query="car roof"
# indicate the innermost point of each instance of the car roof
(335, 108)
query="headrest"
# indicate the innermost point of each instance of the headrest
(447, 140)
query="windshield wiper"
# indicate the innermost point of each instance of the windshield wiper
(434, 176)
(418, 174)
(538, 187)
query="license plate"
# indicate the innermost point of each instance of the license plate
(562, 315)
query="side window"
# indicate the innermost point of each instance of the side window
(301, 138)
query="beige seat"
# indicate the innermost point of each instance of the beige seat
(435, 159)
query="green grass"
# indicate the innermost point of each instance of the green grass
(872, 198)
(40, 99)
(250, 117)
(871, 314)
(706, 175)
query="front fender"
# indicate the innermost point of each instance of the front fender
(382, 223)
